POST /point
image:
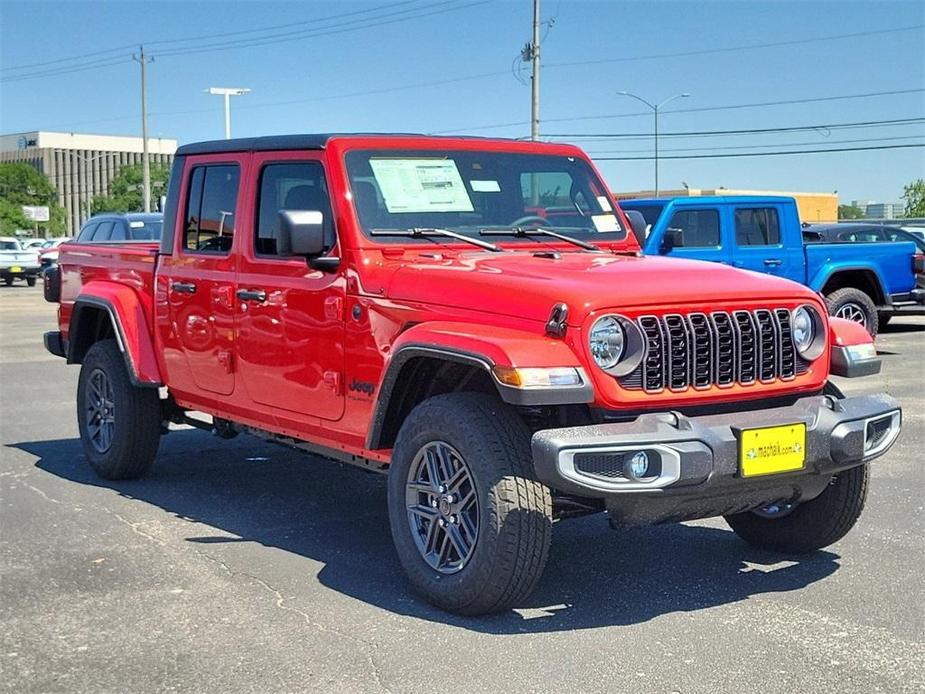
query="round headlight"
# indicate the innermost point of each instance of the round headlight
(803, 330)
(607, 341)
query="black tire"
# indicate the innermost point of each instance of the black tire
(135, 414)
(30, 280)
(883, 320)
(811, 525)
(851, 298)
(8, 281)
(814, 524)
(514, 510)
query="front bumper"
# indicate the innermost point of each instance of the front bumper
(698, 473)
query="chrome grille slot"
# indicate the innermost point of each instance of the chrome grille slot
(747, 339)
(768, 339)
(701, 350)
(653, 378)
(678, 351)
(787, 351)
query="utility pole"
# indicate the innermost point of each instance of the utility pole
(145, 161)
(655, 109)
(228, 92)
(535, 80)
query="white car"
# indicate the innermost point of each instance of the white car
(48, 253)
(17, 262)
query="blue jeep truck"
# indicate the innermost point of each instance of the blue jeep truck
(866, 282)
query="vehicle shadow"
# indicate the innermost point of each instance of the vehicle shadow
(336, 515)
(900, 327)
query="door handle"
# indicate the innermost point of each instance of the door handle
(773, 262)
(251, 295)
(183, 287)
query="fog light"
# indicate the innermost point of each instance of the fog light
(638, 465)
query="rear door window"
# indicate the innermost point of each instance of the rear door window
(118, 232)
(210, 209)
(87, 232)
(695, 228)
(757, 226)
(103, 231)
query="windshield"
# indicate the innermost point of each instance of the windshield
(9, 246)
(468, 191)
(147, 230)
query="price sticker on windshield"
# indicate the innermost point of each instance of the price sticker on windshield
(421, 185)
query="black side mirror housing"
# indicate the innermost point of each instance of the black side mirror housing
(672, 238)
(301, 232)
(638, 224)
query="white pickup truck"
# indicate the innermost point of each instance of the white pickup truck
(16, 262)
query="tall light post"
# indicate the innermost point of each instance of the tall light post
(228, 92)
(655, 108)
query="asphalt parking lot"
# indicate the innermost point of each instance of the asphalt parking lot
(238, 566)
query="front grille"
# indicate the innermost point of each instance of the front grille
(698, 350)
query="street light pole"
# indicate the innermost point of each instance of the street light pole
(145, 160)
(655, 109)
(228, 92)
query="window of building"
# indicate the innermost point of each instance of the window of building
(698, 228)
(757, 226)
(210, 208)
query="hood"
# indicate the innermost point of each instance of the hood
(521, 284)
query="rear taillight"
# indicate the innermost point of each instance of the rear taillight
(918, 263)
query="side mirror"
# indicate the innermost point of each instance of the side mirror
(301, 232)
(638, 224)
(672, 238)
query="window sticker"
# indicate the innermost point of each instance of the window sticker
(605, 222)
(485, 186)
(421, 185)
(604, 203)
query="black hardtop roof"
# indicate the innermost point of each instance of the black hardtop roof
(270, 143)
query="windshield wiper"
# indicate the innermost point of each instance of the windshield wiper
(524, 232)
(423, 232)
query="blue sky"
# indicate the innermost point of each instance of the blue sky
(330, 82)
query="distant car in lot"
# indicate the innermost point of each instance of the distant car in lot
(917, 232)
(861, 233)
(120, 228)
(17, 262)
(48, 253)
(33, 244)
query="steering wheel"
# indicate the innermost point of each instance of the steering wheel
(529, 218)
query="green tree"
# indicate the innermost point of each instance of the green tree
(914, 195)
(126, 190)
(21, 184)
(850, 212)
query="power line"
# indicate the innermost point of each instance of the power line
(765, 154)
(726, 107)
(729, 49)
(750, 131)
(198, 37)
(737, 147)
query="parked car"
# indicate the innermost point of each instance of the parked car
(763, 233)
(917, 232)
(122, 227)
(860, 233)
(472, 317)
(33, 244)
(17, 262)
(48, 253)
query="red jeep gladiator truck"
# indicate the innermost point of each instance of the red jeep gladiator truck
(475, 318)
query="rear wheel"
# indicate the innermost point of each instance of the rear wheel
(30, 280)
(8, 281)
(854, 305)
(120, 424)
(470, 524)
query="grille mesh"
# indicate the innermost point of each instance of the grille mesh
(721, 348)
(609, 465)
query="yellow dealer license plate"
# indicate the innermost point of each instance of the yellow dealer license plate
(16, 268)
(770, 450)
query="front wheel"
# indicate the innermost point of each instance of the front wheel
(471, 525)
(854, 305)
(120, 424)
(30, 280)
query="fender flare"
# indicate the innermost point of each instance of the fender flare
(130, 327)
(482, 347)
(829, 270)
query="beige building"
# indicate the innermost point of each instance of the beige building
(81, 166)
(813, 207)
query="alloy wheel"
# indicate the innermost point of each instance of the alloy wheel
(442, 507)
(853, 312)
(101, 411)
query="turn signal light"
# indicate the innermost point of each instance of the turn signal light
(537, 377)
